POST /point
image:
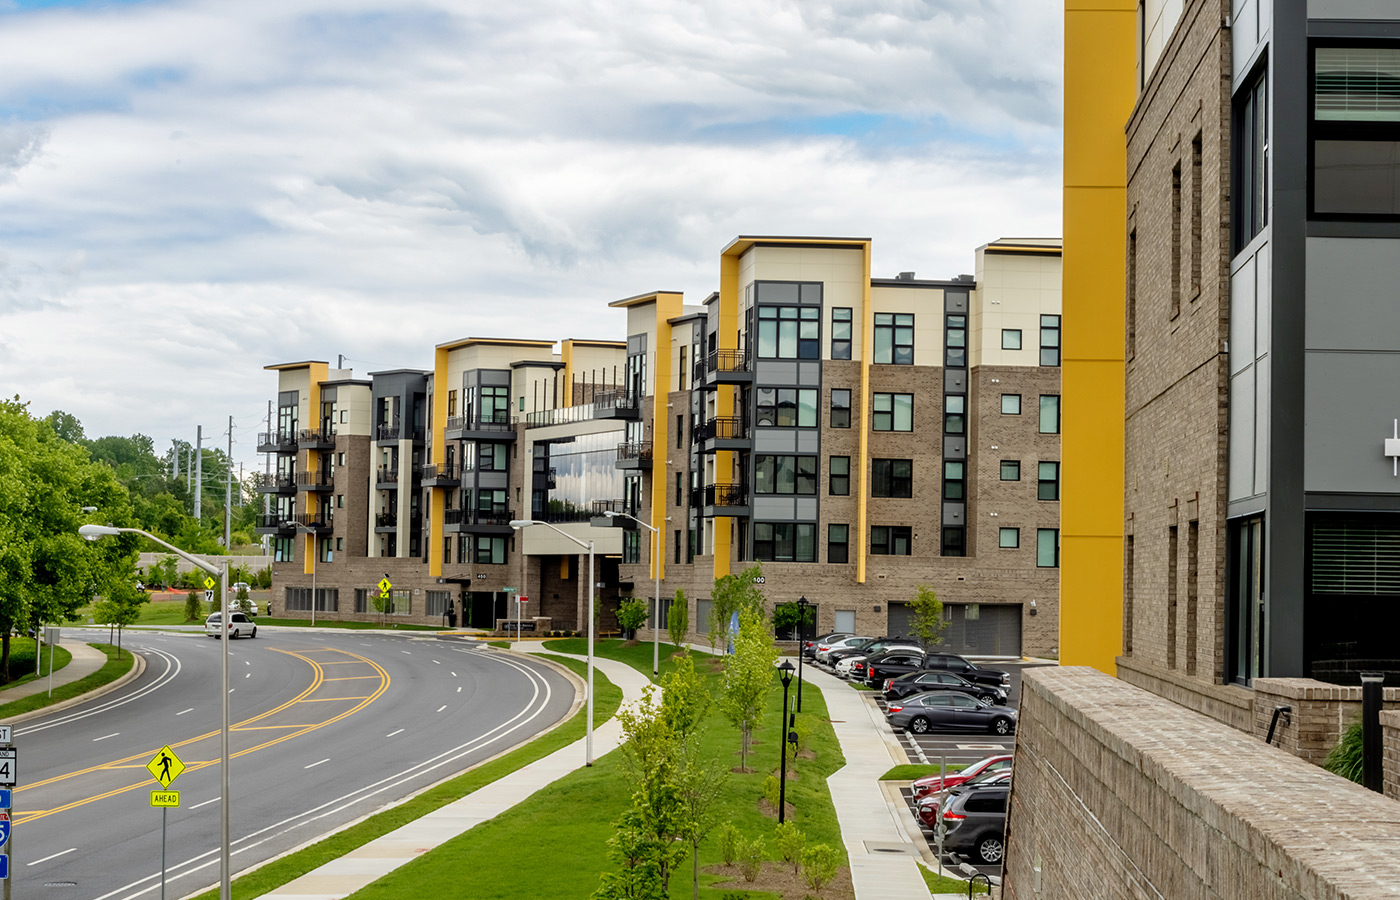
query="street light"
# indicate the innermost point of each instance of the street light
(518, 524)
(656, 575)
(92, 533)
(802, 606)
(311, 531)
(785, 671)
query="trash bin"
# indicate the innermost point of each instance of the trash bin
(451, 617)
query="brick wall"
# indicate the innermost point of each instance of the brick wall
(1321, 712)
(1121, 793)
(1390, 740)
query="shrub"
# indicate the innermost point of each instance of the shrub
(1345, 758)
(751, 858)
(632, 614)
(262, 579)
(772, 790)
(790, 841)
(803, 728)
(193, 607)
(728, 843)
(819, 864)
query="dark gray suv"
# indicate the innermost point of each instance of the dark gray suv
(975, 819)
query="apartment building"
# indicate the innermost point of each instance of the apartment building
(857, 436)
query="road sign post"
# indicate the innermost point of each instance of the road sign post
(9, 763)
(164, 767)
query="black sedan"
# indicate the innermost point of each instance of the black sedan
(891, 664)
(949, 711)
(951, 662)
(939, 680)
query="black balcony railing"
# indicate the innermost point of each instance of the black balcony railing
(723, 428)
(274, 520)
(639, 451)
(277, 441)
(494, 516)
(315, 480)
(389, 432)
(726, 495)
(275, 481)
(440, 472)
(604, 401)
(499, 420)
(315, 521)
(387, 476)
(324, 437)
(386, 520)
(728, 361)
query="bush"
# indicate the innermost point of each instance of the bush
(632, 614)
(772, 790)
(728, 843)
(803, 728)
(262, 579)
(819, 864)
(790, 841)
(751, 858)
(1345, 758)
(194, 607)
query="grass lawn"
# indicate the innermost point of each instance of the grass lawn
(942, 884)
(113, 669)
(22, 661)
(569, 824)
(294, 865)
(915, 770)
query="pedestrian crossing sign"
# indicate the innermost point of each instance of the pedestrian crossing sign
(165, 766)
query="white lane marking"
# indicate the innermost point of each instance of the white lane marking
(441, 708)
(206, 803)
(406, 653)
(459, 689)
(436, 663)
(105, 736)
(231, 690)
(249, 675)
(363, 644)
(315, 764)
(392, 733)
(183, 711)
(172, 669)
(454, 674)
(246, 663)
(52, 856)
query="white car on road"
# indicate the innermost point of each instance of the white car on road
(239, 625)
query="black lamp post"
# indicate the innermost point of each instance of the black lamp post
(786, 674)
(802, 606)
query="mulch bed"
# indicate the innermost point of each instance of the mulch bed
(782, 880)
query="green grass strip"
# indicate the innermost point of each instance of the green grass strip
(111, 670)
(22, 660)
(915, 770)
(294, 865)
(942, 884)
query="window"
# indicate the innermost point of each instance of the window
(492, 457)
(838, 548)
(893, 412)
(785, 541)
(1174, 295)
(840, 408)
(400, 602)
(789, 332)
(631, 545)
(892, 478)
(1356, 131)
(1251, 169)
(1010, 470)
(1049, 340)
(1131, 311)
(890, 540)
(464, 548)
(954, 414)
(784, 474)
(491, 501)
(490, 549)
(436, 603)
(680, 429)
(954, 544)
(340, 501)
(894, 338)
(841, 333)
(954, 485)
(787, 407)
(1048, 487)
(1047, 547)
(680, 488)
(1049, 413)
(339, 544)
(676, 546)
(1011, 339)
(282, 549)
(452, 403)
(955, 339)
(840, 472)
(495, 404)
(361, 600)
(1009, 538)
(297, 599)
(1010, 404)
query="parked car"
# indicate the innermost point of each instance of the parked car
(809, 648)
(843, 668)
(931, 785)
(931, 807)
(869, 647)
(949, 711)
(975, 819)
(891, 664)
(956, 664)
(825, 648)
(239, 625)
(860, 669)
(939, 680)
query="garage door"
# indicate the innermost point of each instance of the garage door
(974, 629)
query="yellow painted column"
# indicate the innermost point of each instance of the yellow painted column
(1100, 90)
(728, 339)
(437, 497)
(315, 374)
(867, 331)
(668, 306)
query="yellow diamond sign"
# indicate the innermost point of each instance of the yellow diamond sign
(165, 766)
(384, 585)
(209, 582)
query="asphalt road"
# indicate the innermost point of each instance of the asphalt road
(326, 727)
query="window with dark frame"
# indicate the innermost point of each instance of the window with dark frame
(785, 541)
(1049, 413)
(1010, 470)
(1047, 548)
(955, 341)
(1250, 144)
(1010, 404)
(891, 540)
(1008, 538)
(838, 547)
(954, 414)
(784, 474)
(786, 407)
(1048, 481)
(893, 340)
(954, 542)
(1355, 130)
(892, 412)
(1049, 340)
(840, 408)
(1011, 339)
(954, 480)
(892, 478)
(839, 470)
(841, 332)
(789, 332)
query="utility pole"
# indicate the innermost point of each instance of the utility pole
(228, 492)
(198, 470)
(175, 458)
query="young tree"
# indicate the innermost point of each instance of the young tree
(121, 607)
(748, 678)
(678, 619)
(736, 593)
(787, 617)
(631, 615)
(928, 621)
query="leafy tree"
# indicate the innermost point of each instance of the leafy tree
(748, 678)
(736, 593)
(635, 852)
(790, 842)
(632, 614)
(788, 616)
(121, 607)
(819, 865)
(194, 607)
(678, 619)
(66, 426)
(927, 617)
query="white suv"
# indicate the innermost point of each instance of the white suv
(239, 625)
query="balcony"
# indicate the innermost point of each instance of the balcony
(434, 475)
(317, 440)
(634, 455)
(315, 522)
(725, 500)
(728, 367)
(724, 433)
(275, 524)
(386, 434)
(499, 426)
(386, 478)
(275, 483)
(321, 482)
(276, 442)
(617, 405)
(386, 523)
(477, 521)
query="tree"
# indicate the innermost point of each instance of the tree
(631, 615)
(732, 594)
(788, 616)
(678, 619)
(121, 607)
(927, 617)
(748, 678)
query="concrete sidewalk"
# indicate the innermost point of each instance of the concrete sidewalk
(86, 660)
(342, 877)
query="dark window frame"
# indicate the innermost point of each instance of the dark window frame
(845, 477)
(889, 540)
(899, 329)
(841, 329)
(887, 481)
(843, 421)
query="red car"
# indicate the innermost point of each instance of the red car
(934, 784)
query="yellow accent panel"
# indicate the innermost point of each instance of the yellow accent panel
(727, 339)
(1092, 448)
(316, 372)
(1100, 89)
(564, 567)
(308, 555)
(566, 356)
(668, 306)
(437, 496)
(867, 332)
(1091, 609)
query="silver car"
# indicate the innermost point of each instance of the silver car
(239, 625)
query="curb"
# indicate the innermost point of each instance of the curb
(138, 667)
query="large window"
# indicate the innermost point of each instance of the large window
(892, 478)
(1049, 413)
(838, 543)
(490, 549)
(955, 339)
(894, 338)
(1049, 340)
(1048, 485)
(785, 474)
(1251, 151)
(954, 414)
(1047, 547)
(789, 332)
(841, 333)
(631, 545)
(840, 471)
(787, 407)
(954, 480)
(495, 404)
(891, 540)
(1356, 131)
(892, 412)
(840, 408)
(785, 541)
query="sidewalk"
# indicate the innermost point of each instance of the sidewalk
(86, 660)
(342, 877)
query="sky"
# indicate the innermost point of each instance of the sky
(190, 191)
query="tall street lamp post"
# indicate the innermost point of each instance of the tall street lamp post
(786, 674)
(311, 531)
(92, 533)
(656, 577)
(587, 545)
(803, 604)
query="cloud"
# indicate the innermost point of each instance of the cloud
(192, 190)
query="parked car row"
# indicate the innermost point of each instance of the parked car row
(971, 805)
